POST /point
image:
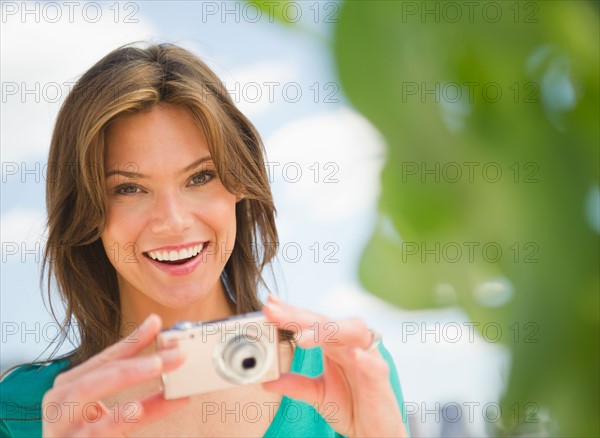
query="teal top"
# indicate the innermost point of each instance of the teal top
(22, 390)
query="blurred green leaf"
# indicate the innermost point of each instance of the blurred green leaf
(490, 190)
(459, 102)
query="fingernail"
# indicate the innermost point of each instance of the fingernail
(147, 322)
(273, 307)
(274, 299)
(304, 342)
(360, 354)
(150, 364)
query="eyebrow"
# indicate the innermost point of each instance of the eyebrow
(131, 174)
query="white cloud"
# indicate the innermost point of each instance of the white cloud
(256, 88)
(327, 165)
(46, 58)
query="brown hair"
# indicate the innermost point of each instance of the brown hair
(136, 78)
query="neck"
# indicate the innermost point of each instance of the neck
(136, 307)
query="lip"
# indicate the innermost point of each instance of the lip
(178, 270)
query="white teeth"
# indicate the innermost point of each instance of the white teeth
(176, 255)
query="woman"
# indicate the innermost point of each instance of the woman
(158, 201)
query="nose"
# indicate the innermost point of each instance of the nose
(172, 214)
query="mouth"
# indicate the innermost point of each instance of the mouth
(179, 256)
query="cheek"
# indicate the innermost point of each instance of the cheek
(119, 235)
(112, 247)
(219, 214)
(112, 228)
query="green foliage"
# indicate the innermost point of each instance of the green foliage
(490, 197)
(517, 96)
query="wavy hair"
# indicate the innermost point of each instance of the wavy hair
(136, 78)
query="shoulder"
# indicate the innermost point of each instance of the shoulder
(25, 381)
(21, 393)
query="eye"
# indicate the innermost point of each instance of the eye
(203, 177)
(126, 189)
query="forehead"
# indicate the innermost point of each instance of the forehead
(166, 135)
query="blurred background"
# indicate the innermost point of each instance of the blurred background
(434, 166)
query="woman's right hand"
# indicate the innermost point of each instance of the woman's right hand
(77, 393)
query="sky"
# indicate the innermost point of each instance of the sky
(324, 160)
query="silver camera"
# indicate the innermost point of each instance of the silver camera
(239, 350)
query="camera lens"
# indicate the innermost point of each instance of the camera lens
(243, 359)
(248, 363)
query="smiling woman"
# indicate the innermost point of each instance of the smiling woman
(109, 120)
(160, 221)
(173, 205)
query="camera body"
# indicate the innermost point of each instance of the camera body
(221, 354)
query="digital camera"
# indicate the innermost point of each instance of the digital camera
(239, 350)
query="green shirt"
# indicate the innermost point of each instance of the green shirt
(22, 390)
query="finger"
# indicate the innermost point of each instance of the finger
(157, 407)
(314, 329)
(116, 376)
(333, 380)
(372, 372)
(136, 341)
(299, 387)
(128, 347)
(370, 379)
(132, 416)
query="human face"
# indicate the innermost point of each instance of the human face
(164, 198)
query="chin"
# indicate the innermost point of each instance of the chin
(180, 300)
(179, 297)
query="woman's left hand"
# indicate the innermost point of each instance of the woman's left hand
(355, 377)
